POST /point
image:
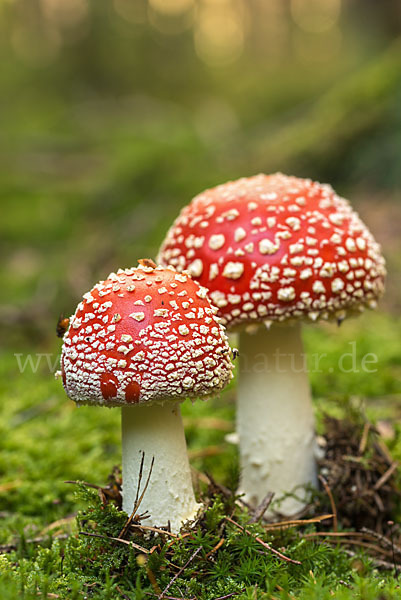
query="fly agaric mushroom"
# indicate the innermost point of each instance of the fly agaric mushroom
(278, 250)
(145, 339)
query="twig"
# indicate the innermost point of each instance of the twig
(264, 544)
(138, 500)
(381, 538)
(364, 438)
(86, 484)
(38, 540)
(262, 508)
(119, 590)
(138, 487)
(376, 561)
(226, 492)
(168, 586)
(205, 452)
(295, 522)
(219, 487)
(105, 493)
(361, 544)
(217, 547)
(391, 523)
(182, 537)
(228, 595)
(281, 589)
(381, 447)
(173, 597)
(7, 548)
(207, 423)
(155, 530)
(385, 476)
(58, 524)
(332, 503)
(114, 539)
(332, 534)
(5, 487)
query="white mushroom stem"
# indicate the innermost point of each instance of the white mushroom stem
(275, 419)
(158, 432)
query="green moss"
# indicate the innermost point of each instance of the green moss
(96, 567)
(45, 440)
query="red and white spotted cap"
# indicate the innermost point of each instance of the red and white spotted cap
(144, 335)
(273, 247)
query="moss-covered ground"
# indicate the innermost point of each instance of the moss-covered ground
(45, 440)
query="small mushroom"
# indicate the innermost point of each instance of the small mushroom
(279, 250)
(145, 339)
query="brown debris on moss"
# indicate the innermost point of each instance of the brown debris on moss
(361, 474)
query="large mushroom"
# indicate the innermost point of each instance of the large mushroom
(145, 339)
(277, 250)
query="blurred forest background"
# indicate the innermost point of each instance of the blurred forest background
(114, 113)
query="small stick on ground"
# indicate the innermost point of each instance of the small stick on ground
(300, 522)
(361, 544)
(105, 493)
(391, 523)
(225, 491)
(264, 544)
(385, 476)
(336, 534)
(218, 486)
(168, 586)
(86, 484)
(138, 501)
(59, 524)
(173, 597)
(262, 508)
(138, 487)
(296, 522)
(38, 540)
(376, 561)
(155, 530)
(217, 547)
(228, 596)
(119, 590)
(114, 539)
(332, 503)
(364, 438)
(383, 539)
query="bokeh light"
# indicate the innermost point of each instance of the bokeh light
(32, 49)
(315, 15)
(219, 32)
(171, 7)
(315, 48)
(133, 12)
(172, 18)
(65, 13)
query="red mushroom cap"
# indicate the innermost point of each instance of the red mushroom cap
(273, 247)
(144, 335)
